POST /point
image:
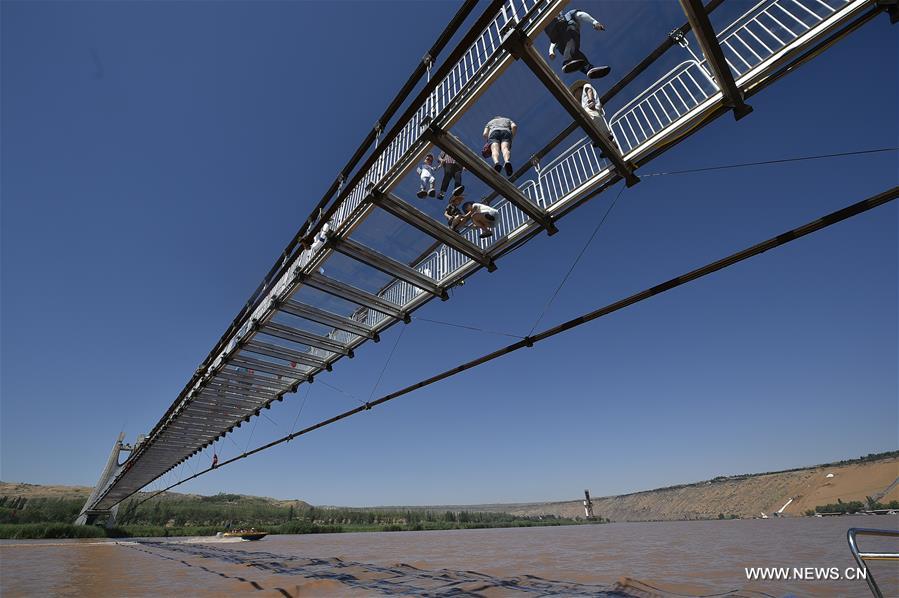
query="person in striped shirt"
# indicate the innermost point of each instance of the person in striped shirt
(451, 171)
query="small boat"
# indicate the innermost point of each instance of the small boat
(245, 534)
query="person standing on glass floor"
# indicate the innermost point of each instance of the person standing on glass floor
(564, 33)
(426, 172)
(589, 99)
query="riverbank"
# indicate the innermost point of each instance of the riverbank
(33, 511)
(52, 530)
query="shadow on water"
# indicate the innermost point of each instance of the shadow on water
(399, 579)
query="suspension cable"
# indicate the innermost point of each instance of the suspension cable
(701, 272)
(576, 260)
(769, 162)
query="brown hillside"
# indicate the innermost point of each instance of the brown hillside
(743, 496)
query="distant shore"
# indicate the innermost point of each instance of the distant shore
(58, 530)
(869, 483)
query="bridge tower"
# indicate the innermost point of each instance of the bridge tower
(588, 505)
(89, 516)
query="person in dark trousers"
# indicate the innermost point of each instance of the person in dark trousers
(453, 214)
(451, 171)
(565, 33)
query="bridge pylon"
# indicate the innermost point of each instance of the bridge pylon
(89, 516)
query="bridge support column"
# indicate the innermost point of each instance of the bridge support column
(89, 515)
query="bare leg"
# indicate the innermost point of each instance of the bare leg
(494, 150)
(507, 152)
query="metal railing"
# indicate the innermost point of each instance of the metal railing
(769, 26)
(862, 557)
(663, 103)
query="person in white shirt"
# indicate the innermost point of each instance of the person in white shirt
(426, 170)
(482, 216)
(564, 33)
(589, 99)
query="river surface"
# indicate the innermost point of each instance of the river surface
(619, 559)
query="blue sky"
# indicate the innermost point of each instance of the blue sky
(156, 158)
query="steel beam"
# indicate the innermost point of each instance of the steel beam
(302, 337)
(405, 212)
(279, 352)
(355, 295)
(243, 385)
(212, 404)
(185, 438)
(213, 408)
(263, 381)
(389, 266)
(714, 55)
(232, 403)
(469, 160)
(520, 46)
(314, 314)
(205, 422)
(267, 366)
(239, 393)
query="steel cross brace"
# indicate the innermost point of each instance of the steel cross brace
(405, 212)
(321, 316)
(302, 337)
(389, 266)
(714, 55)
(520, 46)
(285, 353)
(355, 295)
(472, 162)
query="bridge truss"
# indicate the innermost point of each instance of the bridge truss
(301, 321)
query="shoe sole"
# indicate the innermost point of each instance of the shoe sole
(570, 67)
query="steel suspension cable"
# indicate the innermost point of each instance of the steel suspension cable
(701, 272)
(769, 162)
(576, 260)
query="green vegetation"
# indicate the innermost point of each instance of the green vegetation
(853, 506)
(176, 515)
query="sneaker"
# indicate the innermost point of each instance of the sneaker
(598, 71)
(440, 196)
(432, 193)
(508, 169)
(498, 167)
(486, 235)
(421, 194)
(572, 65)
(459, 190)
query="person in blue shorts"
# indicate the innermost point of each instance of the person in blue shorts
(499, 132)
